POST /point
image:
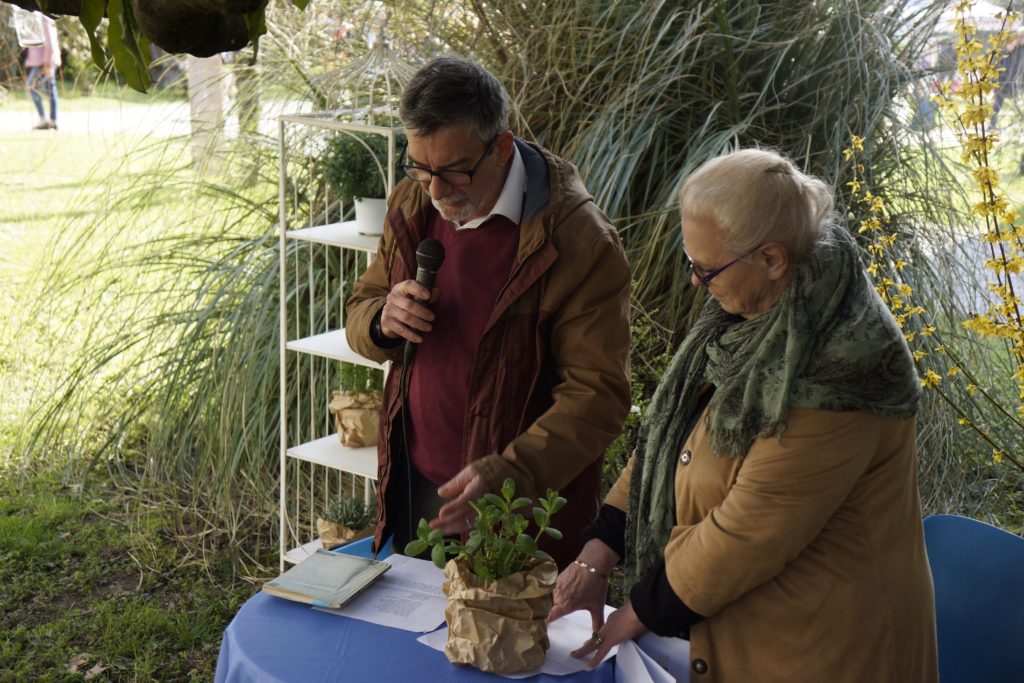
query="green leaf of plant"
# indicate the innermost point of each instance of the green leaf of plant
(520, 503)
(525, 544)
(423, 531)
(438, 556)
(435, 536)
(124, 46)
(256, 23)
(553, 533)
(494, 500)
(480, 569)
(474, 542)
(90, 15)
(508, 488)
(414, 548)
(540, 517)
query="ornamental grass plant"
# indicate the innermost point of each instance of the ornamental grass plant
(183, 390)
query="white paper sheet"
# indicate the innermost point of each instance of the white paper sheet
(636, 666)
(566, 634)
(408, 597)
(671, 655)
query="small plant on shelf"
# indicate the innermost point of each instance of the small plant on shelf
(347, 519)
(353, 165)
(350, 511)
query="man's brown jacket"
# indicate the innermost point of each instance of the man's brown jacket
(549, 388)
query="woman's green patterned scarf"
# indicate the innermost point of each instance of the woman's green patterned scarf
(829, 343)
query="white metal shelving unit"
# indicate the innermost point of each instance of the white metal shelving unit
(306, 437)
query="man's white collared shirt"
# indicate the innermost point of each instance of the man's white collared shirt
(510, 201)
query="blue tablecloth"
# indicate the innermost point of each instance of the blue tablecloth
(272, 639)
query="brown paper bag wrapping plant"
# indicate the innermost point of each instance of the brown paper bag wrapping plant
(499, 583)
(356, 416)
(349, 519)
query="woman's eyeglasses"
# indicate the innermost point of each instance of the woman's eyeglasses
(707, 277)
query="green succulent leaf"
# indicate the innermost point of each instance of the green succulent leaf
(480, 569)
(414, 548)
(553, 533)
(475, 539)
(525, 544)
(438, 555)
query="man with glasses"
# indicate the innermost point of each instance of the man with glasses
(521, 366)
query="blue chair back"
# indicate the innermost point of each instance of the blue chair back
(978, 572)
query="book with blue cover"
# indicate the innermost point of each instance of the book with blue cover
(326, 579)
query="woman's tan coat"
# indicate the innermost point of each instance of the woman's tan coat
(807, 555)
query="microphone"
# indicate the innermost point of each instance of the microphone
(429, 257)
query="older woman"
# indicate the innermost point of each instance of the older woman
(770, 513)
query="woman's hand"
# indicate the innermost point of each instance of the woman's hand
(622, 625)
(579, 588)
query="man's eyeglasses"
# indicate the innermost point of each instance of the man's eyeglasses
(706, 278)
(421, 174)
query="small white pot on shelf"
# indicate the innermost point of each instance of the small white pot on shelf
(370, 216)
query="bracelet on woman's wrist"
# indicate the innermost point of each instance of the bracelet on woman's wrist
(592, 570)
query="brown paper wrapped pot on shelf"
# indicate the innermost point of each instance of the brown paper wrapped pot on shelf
(333, 534)
(498, 626)
(356, 417)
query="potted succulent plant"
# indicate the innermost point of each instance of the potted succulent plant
(347, 519)
(499, 584)
(355, 166)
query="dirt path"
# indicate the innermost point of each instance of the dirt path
(155, 119)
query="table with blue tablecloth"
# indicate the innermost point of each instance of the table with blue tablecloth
(272, 639)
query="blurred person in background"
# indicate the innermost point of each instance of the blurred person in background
(42, 61)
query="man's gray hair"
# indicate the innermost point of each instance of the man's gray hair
(450, 91)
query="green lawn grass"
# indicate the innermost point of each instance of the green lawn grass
(83, 578)
(54, 186)
(87, 571)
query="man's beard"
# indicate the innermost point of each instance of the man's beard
(455, 214)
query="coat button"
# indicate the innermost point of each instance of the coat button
(700, 666)
(685, 457)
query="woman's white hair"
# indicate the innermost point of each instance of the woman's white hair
(756, 196)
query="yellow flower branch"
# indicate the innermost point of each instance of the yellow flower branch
(968, 109)
(886, 269)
